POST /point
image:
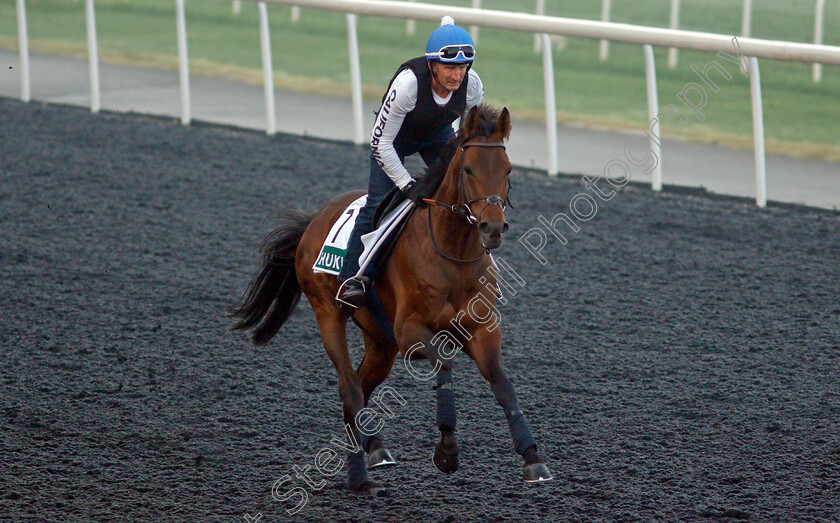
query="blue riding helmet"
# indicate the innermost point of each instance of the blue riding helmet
(450, 44)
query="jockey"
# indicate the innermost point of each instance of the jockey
(425, 96)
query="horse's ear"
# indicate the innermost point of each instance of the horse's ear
(503, 124)
(471, 124)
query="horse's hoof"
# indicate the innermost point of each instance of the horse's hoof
(372, 488)
(537, 473)
(380, 458)
(446, 461)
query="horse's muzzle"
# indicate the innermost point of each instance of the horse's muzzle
(491, 233)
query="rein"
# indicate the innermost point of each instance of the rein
(463, 209)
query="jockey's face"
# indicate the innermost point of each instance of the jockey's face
(447, 77)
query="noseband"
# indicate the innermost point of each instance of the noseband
(463, 209)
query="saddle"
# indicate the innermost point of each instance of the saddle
(394, 197)
(391, 201)
(388, 222)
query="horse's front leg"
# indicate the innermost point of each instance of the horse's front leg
(420, 341)
(485, 348)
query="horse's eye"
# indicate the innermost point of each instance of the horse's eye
(510, 169)
(467, 170)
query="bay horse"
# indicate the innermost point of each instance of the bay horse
(437, 268)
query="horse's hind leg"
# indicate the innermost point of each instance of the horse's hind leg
(334, 336)
(374, 368)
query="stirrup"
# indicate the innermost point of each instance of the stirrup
(352, 306)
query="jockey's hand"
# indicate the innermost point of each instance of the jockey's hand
(412, 192)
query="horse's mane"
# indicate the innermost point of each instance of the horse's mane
(485, 119)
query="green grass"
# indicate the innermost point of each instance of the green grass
(800, 117)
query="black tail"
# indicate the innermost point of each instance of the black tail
(274, 292)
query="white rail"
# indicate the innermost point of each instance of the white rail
(540, 26)
(543, 26)
(634, 34)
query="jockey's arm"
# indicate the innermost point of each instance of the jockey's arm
(400, 100)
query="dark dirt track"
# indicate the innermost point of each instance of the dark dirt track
(677, 360)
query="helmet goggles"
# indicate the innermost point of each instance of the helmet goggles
(454, 53)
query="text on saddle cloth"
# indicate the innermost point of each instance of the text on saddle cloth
(331, 257)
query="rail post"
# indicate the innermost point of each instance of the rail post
(93, 56)
(476, 4)
(746, 24)
(819, 16)
(758, 133)
(550, 105)
(268, 71)
(605, 17)
(183, 64)
(540, 11)
(411, 24)
(653, 115)
(674, 24)
(23, 51)
(355, 80)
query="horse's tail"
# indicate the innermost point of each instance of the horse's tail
(274, 292)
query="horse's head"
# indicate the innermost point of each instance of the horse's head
(484, 170)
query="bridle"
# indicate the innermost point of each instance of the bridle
(463, 209)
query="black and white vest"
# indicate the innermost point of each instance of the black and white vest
(427, 119)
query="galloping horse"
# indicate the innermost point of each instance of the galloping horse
(438, 265)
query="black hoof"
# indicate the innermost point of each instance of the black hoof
(380, 458)
(446, 460)
(537, 473)
(372, 488)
